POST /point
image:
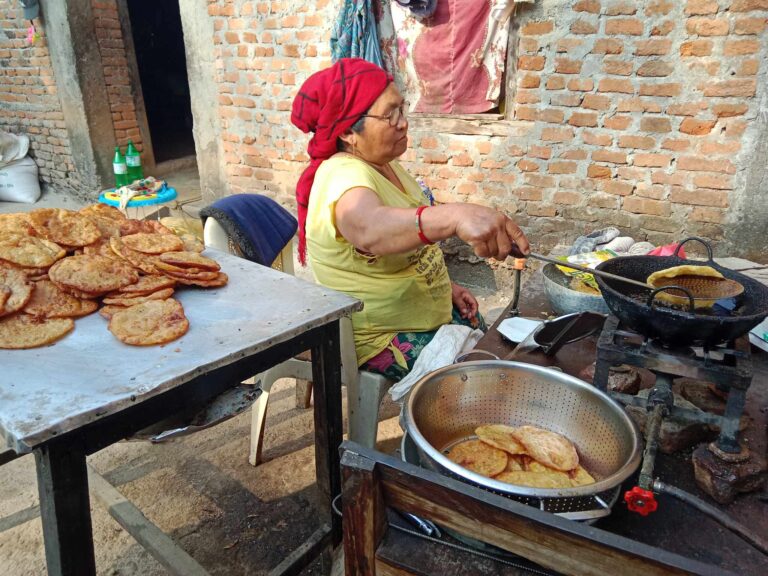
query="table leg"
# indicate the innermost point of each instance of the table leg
(62, 481)
(326, 374)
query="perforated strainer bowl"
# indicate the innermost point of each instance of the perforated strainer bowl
(446, 406)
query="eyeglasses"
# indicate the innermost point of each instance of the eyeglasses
(393, 117)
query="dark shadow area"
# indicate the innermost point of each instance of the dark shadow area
(159, 45)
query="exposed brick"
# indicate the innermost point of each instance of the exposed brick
(531, 62)
(542, 152)
(671, 89)
(577, 154)
(529, 81)
(655, 68)
(618, 67)
(735, 88)
(609, 156)
(526, 113)
(701, 7)
(653, 47)
(729, 110)
(552, 115)
(591, 6)
(567, 66)
(749, 25)
(623, 8)
(608, 46)
(677, 145)
(581, 26)
(618, 187)
(515, 150)
(645, 206)
(652, 160)
(555, 83)
(624, 27)
(540, 180)
(700, 197)
(527, 193)
(663, 29)
(741, 47)
(707, 26)
(749, 68)
(529, 45)
(711, 181)
(604, 201)
(687, 109)
(697, 127)
(653, 191)
(706, 214)
(749, 5)
(567, 197)
(659, 7)
(597, 171)
(617, 122)
(557, 134)
(569, 44)
(583, 119)
(675, 179)
(641, 142)
(541, 210)
(596, 138)
(596, 102)
(581, 84)
(638, 105)
(652, 124)
(526, 165)
(705, 164)
(570, 100)
(615, 85)
(527, 97)
(537, 28)
(562, 167)
(696, 48)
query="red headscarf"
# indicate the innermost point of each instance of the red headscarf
(328, 104)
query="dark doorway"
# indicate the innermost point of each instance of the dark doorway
(159, 46)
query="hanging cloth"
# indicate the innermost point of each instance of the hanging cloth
(354, 34)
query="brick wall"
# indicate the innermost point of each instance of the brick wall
(112, 49)
(635, 114)
(29, 102)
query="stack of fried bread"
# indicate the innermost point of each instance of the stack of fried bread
(525, 456)
(57, 265)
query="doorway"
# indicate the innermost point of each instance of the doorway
(159, 46)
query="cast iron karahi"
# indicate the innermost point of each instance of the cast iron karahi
(674, 327)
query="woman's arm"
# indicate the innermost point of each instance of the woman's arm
(377, 229)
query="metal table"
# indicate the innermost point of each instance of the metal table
(87, 391)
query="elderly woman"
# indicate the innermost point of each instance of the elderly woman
(370, 229)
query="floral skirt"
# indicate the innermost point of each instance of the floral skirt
(410, 345)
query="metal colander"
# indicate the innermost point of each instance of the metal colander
(446, 406)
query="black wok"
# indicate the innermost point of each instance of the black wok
(636, 309)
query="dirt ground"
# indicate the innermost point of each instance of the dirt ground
(232, 518)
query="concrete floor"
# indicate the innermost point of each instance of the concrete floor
(234, 519)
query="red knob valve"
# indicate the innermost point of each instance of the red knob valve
(641, 501)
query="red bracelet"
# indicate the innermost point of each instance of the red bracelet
(422, 237)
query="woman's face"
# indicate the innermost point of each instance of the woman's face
(379, 142)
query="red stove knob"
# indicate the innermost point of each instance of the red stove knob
(641, 501)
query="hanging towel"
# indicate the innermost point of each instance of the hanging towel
(257, 224)
(354, 34)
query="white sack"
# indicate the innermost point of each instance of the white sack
(19, 182)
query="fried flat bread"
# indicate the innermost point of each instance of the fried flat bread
(145, 285)
(501, 437)
(22, 331)
(548, 448)
(479, 457)
(49, 301)
(150, 323)
(220, 280)
(132, 300)
(536, 479)
(190, 260)
(64, 226)
(17, 289)
(580, 477)
(103, 211)
(153, 243)
(92, 274)
(29, 251)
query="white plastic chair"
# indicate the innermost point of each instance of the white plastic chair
(365, 390)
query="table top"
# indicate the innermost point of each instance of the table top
(89, 374)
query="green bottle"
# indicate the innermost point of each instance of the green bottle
(119, 168)
(133, 161)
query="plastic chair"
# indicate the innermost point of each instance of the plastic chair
(365, 390)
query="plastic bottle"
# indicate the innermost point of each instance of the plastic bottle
(133, 161)
(119, 168)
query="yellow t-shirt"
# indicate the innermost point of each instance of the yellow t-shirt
(408, 292)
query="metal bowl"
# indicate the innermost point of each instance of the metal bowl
(565, 300)
(446, 406)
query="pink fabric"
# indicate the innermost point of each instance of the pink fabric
(328, 104)
(667, 250)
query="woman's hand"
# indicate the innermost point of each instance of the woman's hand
(464, 301)
(490, 233)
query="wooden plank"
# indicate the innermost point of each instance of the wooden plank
(364, 514)
(18, 518)
(304, 554)
(384, 568)
(7, 455)
(326, 378)
(62, 482)
(152, 539)
(546, 539)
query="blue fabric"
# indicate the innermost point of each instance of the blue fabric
(354, 34)
(257, 224)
